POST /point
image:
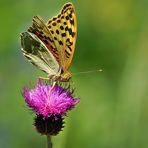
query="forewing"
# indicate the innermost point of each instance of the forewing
(63, 29)
(38, 54)
(40, 29)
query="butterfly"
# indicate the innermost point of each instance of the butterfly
(50, 46)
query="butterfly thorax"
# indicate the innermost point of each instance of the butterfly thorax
(64, 77)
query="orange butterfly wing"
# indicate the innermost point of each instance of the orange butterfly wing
(63, 28)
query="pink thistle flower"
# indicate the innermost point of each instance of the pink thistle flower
(49, 102)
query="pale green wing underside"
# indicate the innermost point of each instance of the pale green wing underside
(38, 54)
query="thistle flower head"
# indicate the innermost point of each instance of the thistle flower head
(47, 101)
(50, 103)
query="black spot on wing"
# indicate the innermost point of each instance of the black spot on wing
(68, 43)
(67, 18)
(55, 38)
(54, 18)
(40, 35)
(61, 27)
(63, 34)
(67, 53)
(45, 41)
(70, 15)
(49, 21)
(72, 22)
(69, 48)
(58, 21)
(57, 31)
(54, 24)
(70, 31)
(60, 42)
(52, 31)
(49, 39)
(59, 15)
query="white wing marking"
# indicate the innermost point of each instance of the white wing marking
(38, 54)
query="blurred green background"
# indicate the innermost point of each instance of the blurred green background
(113, 112)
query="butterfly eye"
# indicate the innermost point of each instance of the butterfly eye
(62, 71)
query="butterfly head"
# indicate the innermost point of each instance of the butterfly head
(66, 76)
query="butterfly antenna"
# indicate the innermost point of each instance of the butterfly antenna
(86, 72)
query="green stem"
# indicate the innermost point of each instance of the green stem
(49, 143)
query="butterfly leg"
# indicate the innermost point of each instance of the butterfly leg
(71, 82)
(71, 86)
(52, 86)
